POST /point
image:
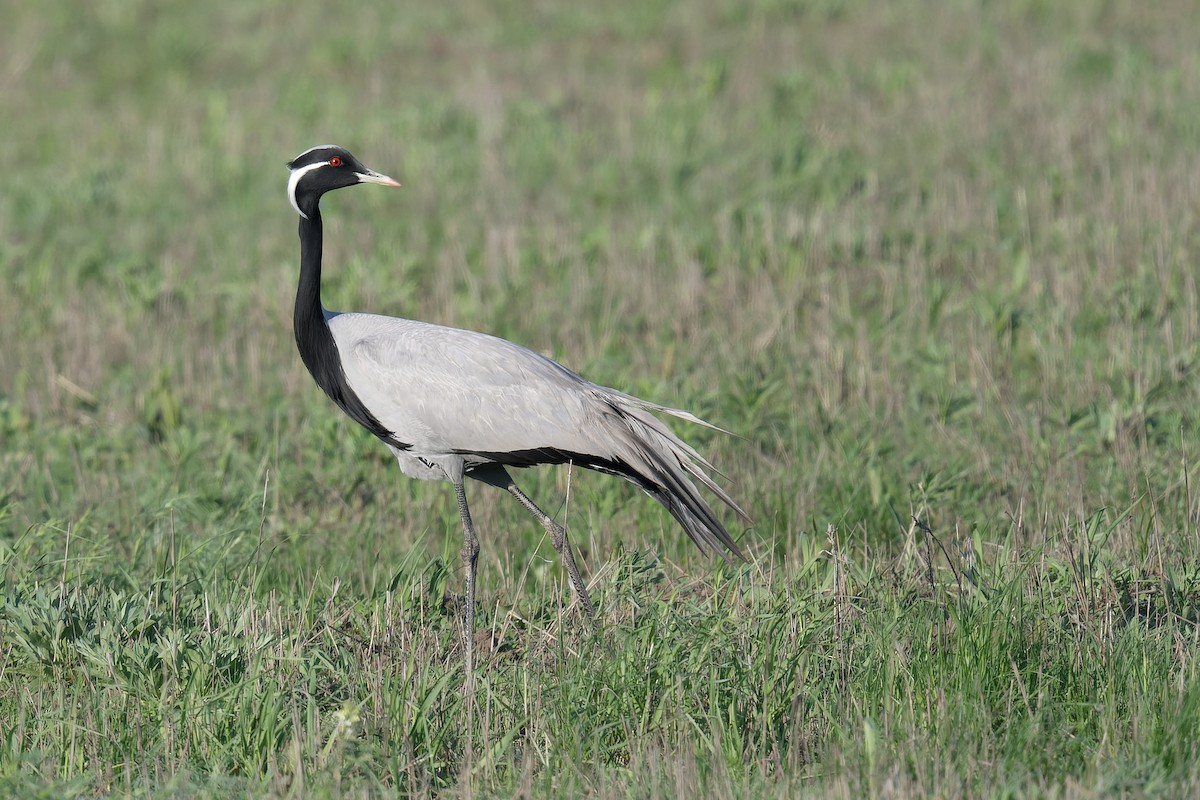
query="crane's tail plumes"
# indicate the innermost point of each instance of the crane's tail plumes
(664, 466)
(624, 439)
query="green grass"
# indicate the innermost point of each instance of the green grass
(935, 263)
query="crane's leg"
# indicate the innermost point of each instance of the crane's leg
(497, 475)
(558, 537)
(470, 556)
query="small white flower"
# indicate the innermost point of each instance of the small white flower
(347, 723)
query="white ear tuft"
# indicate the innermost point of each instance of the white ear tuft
(294, 180)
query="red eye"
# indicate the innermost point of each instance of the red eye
(335, 162)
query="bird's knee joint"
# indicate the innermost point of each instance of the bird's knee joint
(470, 550)
(558, 537)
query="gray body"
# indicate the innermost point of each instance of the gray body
(462, 398)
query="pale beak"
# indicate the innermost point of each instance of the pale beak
(371, 176)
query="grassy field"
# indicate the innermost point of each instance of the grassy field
(934, 262)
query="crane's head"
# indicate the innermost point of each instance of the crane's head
(322, 169)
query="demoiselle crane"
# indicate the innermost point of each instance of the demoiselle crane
(453, 404)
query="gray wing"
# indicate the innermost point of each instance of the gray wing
(446, 389)
(451, 391)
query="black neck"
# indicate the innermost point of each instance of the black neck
(308, 321)
(317, 347)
